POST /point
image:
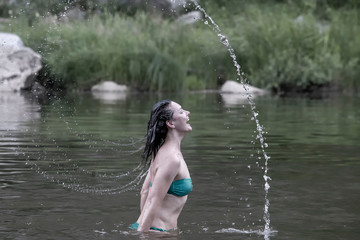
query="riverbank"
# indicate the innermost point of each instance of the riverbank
(279, 48)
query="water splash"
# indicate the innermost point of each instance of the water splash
(66, 172)
(62, 178)
(259, 128)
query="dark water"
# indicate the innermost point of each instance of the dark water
(63, 165)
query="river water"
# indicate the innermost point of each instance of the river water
(64, 163)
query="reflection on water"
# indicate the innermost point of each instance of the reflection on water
(110, 97)
(88, 143)
(231, 99)
(17, 109)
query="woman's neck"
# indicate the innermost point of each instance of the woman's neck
(173, 139)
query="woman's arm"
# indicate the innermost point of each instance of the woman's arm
(163, 178)
(144, 191)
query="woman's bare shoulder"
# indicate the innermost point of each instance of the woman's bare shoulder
(169, 156)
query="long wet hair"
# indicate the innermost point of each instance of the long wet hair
(157, 129)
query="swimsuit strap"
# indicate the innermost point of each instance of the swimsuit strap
(135, 226)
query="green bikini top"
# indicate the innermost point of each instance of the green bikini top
(180, 187)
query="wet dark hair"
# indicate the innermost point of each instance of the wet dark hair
(157, 129)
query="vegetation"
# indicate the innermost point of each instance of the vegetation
(144, 53)
(280, 45)
(294, 47)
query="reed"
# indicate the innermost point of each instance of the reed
(285, 50)
(345, 34)
(274, 46)
(142, 52)
(294, 46)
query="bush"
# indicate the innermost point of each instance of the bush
(146, 53)
(274, 45)
(345, 35)
(287, 50)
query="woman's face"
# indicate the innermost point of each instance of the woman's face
(180, 118)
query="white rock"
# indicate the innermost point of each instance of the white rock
(177, 3)
(10, 43)
(236, 87)
(234, 93)
(108, 86)
(18, 64)
(190, 17)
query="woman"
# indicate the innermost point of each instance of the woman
(168, 181)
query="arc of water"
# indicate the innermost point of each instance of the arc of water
(80, 135)
(76, 185)
(105, 176)
(259, 128)
(84, 188)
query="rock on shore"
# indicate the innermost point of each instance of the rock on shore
(18, 64)
(236, 87)
(234, 93)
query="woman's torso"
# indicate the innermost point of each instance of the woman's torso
(172, 204)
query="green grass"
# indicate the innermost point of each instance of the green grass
(150, 53)
(345, 35)
(282, 51)
(143, 52)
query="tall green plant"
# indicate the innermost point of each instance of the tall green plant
(274, 45)
(141, 52)
(284, 50)
(345, 35)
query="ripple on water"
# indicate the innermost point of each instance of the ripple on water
(243, 231)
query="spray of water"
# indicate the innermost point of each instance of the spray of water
(63, 170)
(259, 128)
(68, 175)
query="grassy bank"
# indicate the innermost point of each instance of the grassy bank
(142, 52)
(278, 47)
(289, 51)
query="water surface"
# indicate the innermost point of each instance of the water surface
(61, 162)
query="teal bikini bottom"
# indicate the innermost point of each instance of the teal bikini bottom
(136, 225)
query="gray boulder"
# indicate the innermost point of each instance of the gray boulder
(236, 87)
(18, 64)
(177, 3)
(234, 93)
(190, 18)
